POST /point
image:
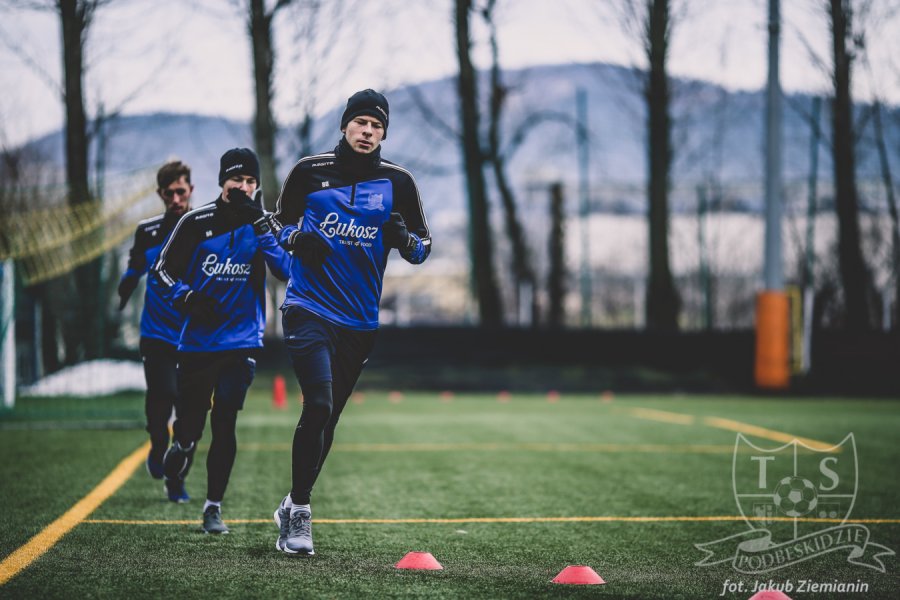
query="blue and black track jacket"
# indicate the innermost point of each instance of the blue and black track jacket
(211, 253)
(345, 197)
(159, 319)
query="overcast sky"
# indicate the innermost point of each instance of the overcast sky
(194, 56)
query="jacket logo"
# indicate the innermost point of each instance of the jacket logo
(212, 267)
(326, 184)
(331, 227)
(208, 233)
(373, 202)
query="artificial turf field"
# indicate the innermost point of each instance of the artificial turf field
(504, 492)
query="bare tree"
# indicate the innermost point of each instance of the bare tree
(522, 268)
(82, 319)
(888, 180)
(265, 130)
(663, 303)
(480, 248)
(317, 32)
(651, 21)
(855, 277)
(79, 299)
(556, 283)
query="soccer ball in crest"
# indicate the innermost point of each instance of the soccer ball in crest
(795, 496)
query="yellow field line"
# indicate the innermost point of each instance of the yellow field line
(762, 432)
(728, 424)
(43, 541)
(610, 519)
(662, 415)
(533, 446)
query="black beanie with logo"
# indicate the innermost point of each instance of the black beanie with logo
(238, 161)
(367, 102)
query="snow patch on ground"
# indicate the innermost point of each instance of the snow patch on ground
(94, 378)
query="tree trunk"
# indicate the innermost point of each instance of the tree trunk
(662, 297)
(264, 128)
(81, 315)
(522, 269)
(854, 274)
(888, 180)
(481, 251)
(556, 283)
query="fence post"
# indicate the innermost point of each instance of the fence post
(7, 332)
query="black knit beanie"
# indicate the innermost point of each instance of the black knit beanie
(238, 161)
(367, 102)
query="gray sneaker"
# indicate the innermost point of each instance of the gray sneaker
(212, 520)
(299, 534)
(282, 516)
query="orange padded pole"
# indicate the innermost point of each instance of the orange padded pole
(772, 369)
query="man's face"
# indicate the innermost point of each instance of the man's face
(247, 183)
(177, 196)
(364, 133)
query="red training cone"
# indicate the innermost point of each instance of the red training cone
(578, 575)
(419, 560)
(279, 392)
(769, 595)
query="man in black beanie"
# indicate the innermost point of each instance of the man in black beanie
(213, 271)
(340, 213)
(367, 102)
(239, 161)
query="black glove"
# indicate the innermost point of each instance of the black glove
(199, 306)
(126, 288)
(395, 233)
(311, 249)
(243, 207)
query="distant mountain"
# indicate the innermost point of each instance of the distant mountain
(716, 133)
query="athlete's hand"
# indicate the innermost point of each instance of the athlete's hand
(199, 306)
(243, 206)
(395, 233)
(310, 248)
(126, 288)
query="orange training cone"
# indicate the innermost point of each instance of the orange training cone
(769, 595)
(279, 392)
(422, 561)
(578, 575)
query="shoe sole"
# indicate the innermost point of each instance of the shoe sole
(278, 545)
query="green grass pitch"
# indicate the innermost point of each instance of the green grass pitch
(504, 493)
